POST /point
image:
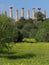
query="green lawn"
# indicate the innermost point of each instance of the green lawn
(26, 54)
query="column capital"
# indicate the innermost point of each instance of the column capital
(16, 10)
(22, 8)
(10, 7)
(33, 8)
(39, 9)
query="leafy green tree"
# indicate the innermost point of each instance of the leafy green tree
(29, 20)
(20, 24)
(26, 29)
(43, 32)
(33, 32)
(6, 30)
(18, 36)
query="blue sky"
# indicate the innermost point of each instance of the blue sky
(27, 4)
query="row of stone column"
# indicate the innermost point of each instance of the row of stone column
(28, 13)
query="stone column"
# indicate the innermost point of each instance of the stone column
(39, 9)
(28, 14)
(5, 13)
(44, 14)
(11, 11)
(22, 12)
(17, 15)
(33, 13)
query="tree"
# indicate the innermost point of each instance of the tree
(18, 36)
(20, 24)
(6, 30)
(33, 32)
(26, 29)
(43, 32)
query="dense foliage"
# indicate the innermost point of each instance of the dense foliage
(8, 31)
(39, 16)
(15, 31)
(43, 32)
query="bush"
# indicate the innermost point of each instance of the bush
(29, 40)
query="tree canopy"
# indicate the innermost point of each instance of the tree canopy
(43, 32)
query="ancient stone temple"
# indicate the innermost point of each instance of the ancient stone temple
(28, 13)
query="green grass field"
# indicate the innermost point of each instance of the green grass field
(26, 54)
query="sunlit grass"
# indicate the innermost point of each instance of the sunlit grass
(27, 54)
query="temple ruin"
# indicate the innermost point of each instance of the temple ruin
(22, 13)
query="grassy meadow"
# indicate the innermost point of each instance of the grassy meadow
(25, 53)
